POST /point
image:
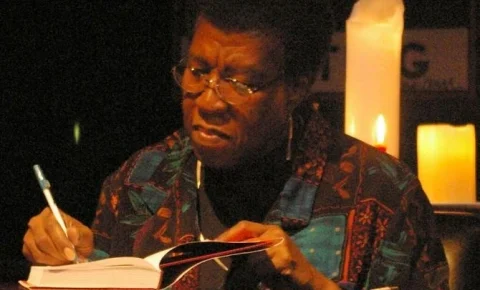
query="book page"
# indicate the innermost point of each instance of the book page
(102, 264)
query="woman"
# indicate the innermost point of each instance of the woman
(255, 159)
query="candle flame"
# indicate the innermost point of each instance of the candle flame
(76, 132)
(380, 130)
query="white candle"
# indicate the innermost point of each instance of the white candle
(374, 41)
(447, 162)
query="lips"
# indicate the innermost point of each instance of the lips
(210, 134)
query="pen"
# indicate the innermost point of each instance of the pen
(45, 186)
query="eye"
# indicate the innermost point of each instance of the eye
(241, 88)
(198, 73)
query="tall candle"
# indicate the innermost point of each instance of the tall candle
(374, 42)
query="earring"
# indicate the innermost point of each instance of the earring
(290, 136)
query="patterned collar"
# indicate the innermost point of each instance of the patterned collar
(310, 157)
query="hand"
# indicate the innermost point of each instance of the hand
(46, 243)
(286, 257)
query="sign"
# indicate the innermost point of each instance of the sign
(432, 60)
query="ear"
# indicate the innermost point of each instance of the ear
(298, 92)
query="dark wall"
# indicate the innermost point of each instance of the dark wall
(105, 65)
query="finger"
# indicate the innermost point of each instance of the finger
(50, 238)
(27, 253)
(27, 244)
(284, 264)
(60, 240)
(82, 238)
(35, 255)
(290, 263)
(55, 243)
(75, 230)
(73, 235)
(79, 235)
(38, 237)
(243, 230)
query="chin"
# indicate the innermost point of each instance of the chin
(215, 158)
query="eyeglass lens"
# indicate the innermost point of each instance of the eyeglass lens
(195, 81)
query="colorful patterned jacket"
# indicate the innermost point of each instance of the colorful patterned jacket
(359, 215)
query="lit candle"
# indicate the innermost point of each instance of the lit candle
(447, 162)
(76, 132)
(380, 133)
(374, 43)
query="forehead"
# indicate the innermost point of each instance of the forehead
(220, 47)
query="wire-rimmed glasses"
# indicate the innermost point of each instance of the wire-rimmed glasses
(195, 80)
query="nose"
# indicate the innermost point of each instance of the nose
(210, 99)
(211, 83)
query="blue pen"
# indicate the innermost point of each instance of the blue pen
(45, 186)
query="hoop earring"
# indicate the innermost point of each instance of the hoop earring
(290, 137)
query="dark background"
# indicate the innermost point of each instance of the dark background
(106, 65)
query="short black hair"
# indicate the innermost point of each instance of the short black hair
(304, 27)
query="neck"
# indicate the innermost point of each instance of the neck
(274, 161)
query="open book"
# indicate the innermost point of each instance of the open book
(157, 271)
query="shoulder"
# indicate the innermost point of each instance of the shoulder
(142, 165)
(373, 174)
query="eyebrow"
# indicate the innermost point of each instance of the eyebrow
(248, 71)
(251, 75)
(199, 59)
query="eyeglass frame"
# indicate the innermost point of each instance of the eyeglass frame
(214, 84)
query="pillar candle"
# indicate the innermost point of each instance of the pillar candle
(447, 162)
(374, 42)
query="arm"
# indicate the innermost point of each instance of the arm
(430, 268)
(411, 255)
(45, 243)
(105, 226)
